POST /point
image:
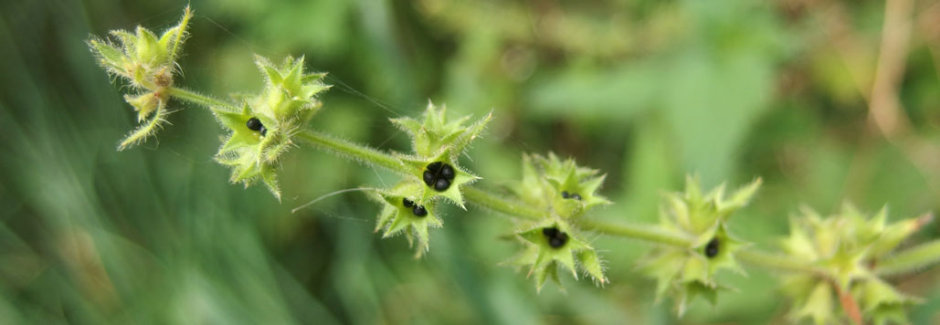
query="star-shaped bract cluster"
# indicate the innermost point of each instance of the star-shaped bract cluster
(435, 133)
(564, 191)
(551, 245)
(570, 189)
(843, 247)
(401, 214)
(688, 272)
(437, 145)
(142, 56)
(263, 130)
(432, 173)
(147, 62)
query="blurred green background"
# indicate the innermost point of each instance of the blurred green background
(647, 91)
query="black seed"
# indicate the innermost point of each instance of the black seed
(264, 131)
(550, 232)
(441, 184)
(576, 196)
(556, 242)
(428, 178)
(438, 175)
(447, 172)
(407, 203)
(711, 249)
(435, 167)
(253, 124)
(564, 194)
(556, 238)
(419, 211)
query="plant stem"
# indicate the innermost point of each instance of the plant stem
(773, 261)
(350, 150)
(370, 156)
(910, 259)
(497, 203)
(483, 198)
(203, 100)
(644, 232)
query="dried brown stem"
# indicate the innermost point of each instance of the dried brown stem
(885, 110)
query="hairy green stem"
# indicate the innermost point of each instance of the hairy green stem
(348, 149)
(474, 195)
(910, 260)
(498, 203)
(370, 156)
(198, 99)
(483, 198)
(774, 261)
(480, 197)
(644, 232)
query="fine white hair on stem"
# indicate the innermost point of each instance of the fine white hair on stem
(331, 194)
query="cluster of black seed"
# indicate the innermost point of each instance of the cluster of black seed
(439, 176)
(417, 210)
(254, 124)
(567, 195)
(556, 238)
(711, 249)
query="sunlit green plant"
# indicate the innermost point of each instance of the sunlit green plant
(148, 64)
(687, 271)
(842, 258)
(846, 249)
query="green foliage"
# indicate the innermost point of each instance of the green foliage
(552, 245)
(284, 108)
(551, 198)
(400, 216)
(689, 271)
(560, 192)
(646, 92)
(148, 64)
(844, 247)
(437, 140)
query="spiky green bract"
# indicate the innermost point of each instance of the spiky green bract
(424, 193)
(142, 58)
(543, 260)
(396, 218)
(555, 177)
(288, 97)
(147, 62)
(687, 272)
(843, 247)
(284, 107)
(435, 139)
(436, 134)
(543, 181)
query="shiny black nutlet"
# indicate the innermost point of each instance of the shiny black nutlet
(442, 184)
(439, 176)
(556, 238)
(419, 211)
(254, 124)
(448, 172)
(428, 178)
(711, 249)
